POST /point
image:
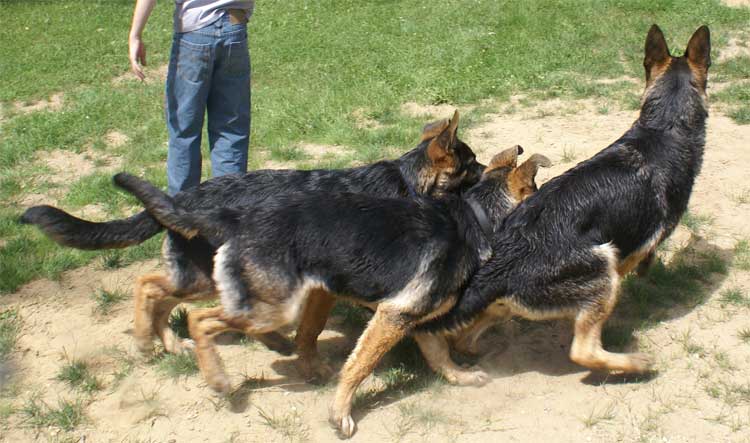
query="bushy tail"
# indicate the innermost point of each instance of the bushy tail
(74, 232)
(158, 204)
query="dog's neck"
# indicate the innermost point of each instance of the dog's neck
(674, 104)
(492, 196)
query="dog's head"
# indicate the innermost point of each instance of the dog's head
(692, 66)
(449, 164)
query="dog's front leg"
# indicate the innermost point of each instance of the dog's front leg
(436, 351)
(384, 330)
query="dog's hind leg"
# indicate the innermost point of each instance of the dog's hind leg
(437, 353)
(205, 324)
(152, 296)
(466, 341)
(385, 329)
(587, 349)
(314, 317)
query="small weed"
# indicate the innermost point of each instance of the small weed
(10, 325)
(423, 416)
(125, 364)
(178, 322)
(722, 361)
(77, 375)
(112, 259)
(742, 255)
(734, 296)
(289, 426)
(695, 222)
(6, 410)
(689, 346)
(105, 300)
(744, 335)
(66, 416)
(569, 155)
(177, 365)
(595, 417)
(603, 109)
(742, 198)
(741, 115)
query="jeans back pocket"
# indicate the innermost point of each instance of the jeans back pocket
(192, 61)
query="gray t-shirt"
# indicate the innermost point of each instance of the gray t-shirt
(190, 15)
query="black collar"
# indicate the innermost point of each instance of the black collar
(481, 216)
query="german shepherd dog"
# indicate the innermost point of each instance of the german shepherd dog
(434, 168)
(405, 259)
(563, 251)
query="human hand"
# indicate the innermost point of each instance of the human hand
(137, 56)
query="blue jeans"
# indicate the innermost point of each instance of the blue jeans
(209, 72)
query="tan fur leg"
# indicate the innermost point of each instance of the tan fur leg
(204, 326)
(382, 333)
(587, 343)
(150, 291)
(314, 317)
(437, 353)
(466, 341)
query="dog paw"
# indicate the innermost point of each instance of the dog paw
(344, 424)
(314, 371)
(144, 345)
(219, 384)
(472, 377)
(641, 363)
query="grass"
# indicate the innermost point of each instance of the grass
(307, 85)
(289, 425)
(10, 325)
(106, 300)
(598, 416)
(695, 222)
(735, 297)
(176, 365)
(178, 322)
(67, 415)
(569, 155)
(77, 375)
(742, 255)
(744, 335)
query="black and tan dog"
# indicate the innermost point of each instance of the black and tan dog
(563, 251)
(405, 259)
(441, 164)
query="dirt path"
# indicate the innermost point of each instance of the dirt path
(701, 394)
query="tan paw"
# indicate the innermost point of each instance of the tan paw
(220, 384)
(473, 377)
(315, 371)
(144, 344)
(640, 363)
(344, 424)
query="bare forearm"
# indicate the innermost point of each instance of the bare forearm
(141, 13)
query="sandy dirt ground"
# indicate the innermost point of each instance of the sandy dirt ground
(536, 393)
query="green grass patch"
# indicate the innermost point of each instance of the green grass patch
(10, 325)
(735, 297)
(742, 255)
(744, 335)
(176, 365)
(695, 222)
(77, 375)
(67, 415)
(178, 322)
(105, 300)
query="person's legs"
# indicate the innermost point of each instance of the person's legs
(187, 88)
(229, 102)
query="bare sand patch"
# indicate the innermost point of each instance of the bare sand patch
(153, 74)
(54, 103)
(115, 139)
(737, 3)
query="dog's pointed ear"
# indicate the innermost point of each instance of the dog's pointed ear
(526, 173)
(698, 50)
(508, 157)
(657, 52)
(432, 130)
(442, 145)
